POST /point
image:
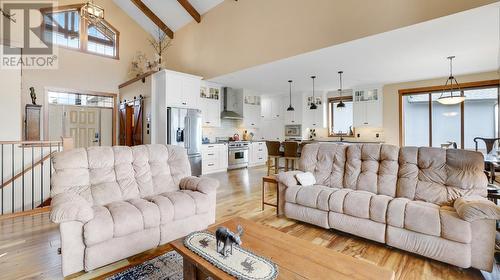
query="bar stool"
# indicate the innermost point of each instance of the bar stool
(273, 157)
(291, 154)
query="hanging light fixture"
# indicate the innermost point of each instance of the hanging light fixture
(290, 108)
(341, 104)
(451, 99)
(92, 12)
(313, 101)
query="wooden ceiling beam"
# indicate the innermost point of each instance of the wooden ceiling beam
(153, 17)
(190, 9)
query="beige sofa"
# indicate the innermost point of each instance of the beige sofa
(114, 202)
(428, 201)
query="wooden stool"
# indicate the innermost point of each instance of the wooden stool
(291, 154)
(273, 158)
(270, 180)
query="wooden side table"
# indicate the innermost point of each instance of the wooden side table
(270, 180)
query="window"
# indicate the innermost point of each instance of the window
(65, 98)
(426, 122)
(66, 28)
(340, 120)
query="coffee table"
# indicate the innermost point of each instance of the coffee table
(296, 258)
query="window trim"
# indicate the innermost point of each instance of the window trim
(83, 32)
(330, 100)
(434, 89)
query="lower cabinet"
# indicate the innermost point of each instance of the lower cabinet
(213, 158)
(257, 154)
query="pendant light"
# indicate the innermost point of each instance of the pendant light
(451, 99)
(313, 101)
(290, 108)
(341, 104)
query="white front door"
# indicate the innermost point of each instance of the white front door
(83, 125)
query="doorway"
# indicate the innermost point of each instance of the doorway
(87, 119)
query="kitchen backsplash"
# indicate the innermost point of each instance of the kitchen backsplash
(228, 129)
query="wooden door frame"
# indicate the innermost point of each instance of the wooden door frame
(96, 93)
(434, 89)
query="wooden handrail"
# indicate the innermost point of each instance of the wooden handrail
(24, 171)
(30, 142)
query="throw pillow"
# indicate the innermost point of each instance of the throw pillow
(306, 179)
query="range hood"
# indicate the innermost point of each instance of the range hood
(231, 104)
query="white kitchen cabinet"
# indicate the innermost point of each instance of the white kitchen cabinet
(210, 104)
(257, 153)
(251, 116)
(313, 118)
(294, 117)
(214, 158)
(272, 107)
(367, 108)
(181, 90)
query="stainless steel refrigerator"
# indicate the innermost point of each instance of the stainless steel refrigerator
(184, 129)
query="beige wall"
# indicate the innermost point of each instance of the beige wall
(87, 72)
(391, 100)
(240, 34)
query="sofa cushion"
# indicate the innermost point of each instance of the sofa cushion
(316, 196)
(357, 204)
(422, 217)
(396, 212)
(336, 203)
(179, 205)
(378, 208)
(100, 228)
(326, 161)
(453, 227)
(150, 212)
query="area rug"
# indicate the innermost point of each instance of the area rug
(241, 264)
(164, 267)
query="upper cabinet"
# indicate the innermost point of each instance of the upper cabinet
(367, 107)
(210, 104)
(180, 90)
(272, 107)
(251, 110)
(313, 118)
(295, 116)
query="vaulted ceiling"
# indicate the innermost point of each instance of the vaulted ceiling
(168, 15)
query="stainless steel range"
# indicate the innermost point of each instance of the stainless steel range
(237, 154)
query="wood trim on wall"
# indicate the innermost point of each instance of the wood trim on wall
(433, 89)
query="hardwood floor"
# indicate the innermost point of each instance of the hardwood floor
(28, 245)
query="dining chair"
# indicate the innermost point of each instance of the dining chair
(291, 154)
(273, 156)
(490, 143)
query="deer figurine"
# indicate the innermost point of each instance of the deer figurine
(228, 238)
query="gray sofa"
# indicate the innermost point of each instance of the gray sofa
(115, 202)
(428, 201)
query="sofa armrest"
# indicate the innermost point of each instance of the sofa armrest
(288, 178)
(67, 207)
(204, 185)
(472, 208)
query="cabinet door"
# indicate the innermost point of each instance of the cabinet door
(359, 114)
(266, 108)
(223, 157)
(190, 93)
(210, 111)
(251, 116)
(373, 114)
(174, 91)
(277, 107)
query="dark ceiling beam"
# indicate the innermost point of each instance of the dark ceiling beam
(190, 9)
(153, 17)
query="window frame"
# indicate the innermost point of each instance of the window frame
(437, 89)
(83, 30)
(347, 98)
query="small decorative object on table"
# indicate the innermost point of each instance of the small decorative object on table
(33, 95)
(228, 238)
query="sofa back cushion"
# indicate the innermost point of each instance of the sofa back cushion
(106, 174)
(368, 167)
(440, 175)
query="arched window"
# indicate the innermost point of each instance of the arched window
(63, 26)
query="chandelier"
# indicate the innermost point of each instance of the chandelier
(92, 12)
(451, 99)
(341, 104)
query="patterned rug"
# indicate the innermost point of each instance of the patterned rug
(164, 267)
(241, 264)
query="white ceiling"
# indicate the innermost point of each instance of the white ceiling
(169, 11)
(412, 53)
